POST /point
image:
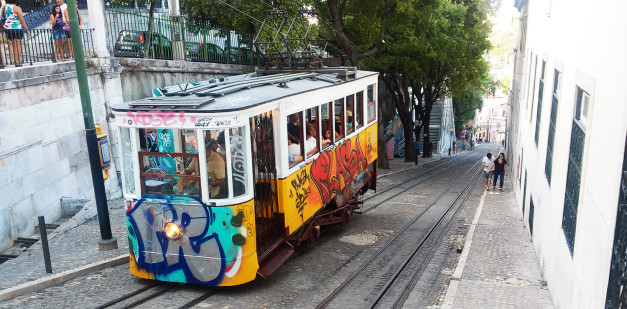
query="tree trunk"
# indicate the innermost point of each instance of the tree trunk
(148, 41)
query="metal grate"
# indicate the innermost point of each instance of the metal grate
(539, 110)
(548, 166)
(616, 288)
(268, 221)
(531, 211)
(573, 181)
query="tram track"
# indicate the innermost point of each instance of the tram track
(421, 178)
(155, 292)
(384, 271)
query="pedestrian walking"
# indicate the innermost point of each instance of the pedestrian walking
(488, 164)
(500, 169)
(454, 147)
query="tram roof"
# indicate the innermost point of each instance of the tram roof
(240, 94)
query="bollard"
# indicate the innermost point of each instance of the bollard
(44, 243)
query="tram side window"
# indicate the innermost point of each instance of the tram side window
(190, 144)
(350, 109)
(338, 113)
(295, 138)
(164, 165)
(127, 160)
(311, 132)
(372, 105)
(326, 114)
(216, 164)
(359, 110)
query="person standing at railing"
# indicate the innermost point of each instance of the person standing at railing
(66, 25)
(56, 19)
(14, 27)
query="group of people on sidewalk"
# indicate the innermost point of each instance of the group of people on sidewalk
(13, 26)
(493, 169)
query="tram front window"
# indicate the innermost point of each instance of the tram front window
(170, 164)
(164, 162)
(216, 164)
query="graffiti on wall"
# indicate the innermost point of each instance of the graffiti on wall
(209, 250)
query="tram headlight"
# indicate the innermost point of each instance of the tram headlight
(173, 230)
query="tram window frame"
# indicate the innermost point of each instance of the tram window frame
(211, 139)
(342, 117)
(328, 107)
(312, 115)
(301, 145)
(359, 111)
(350, 112)
(177, 179)
(372, 104)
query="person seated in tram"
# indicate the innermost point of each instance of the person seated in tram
(293, 125)
(216, 171)
(311, 143)
(293, 152)
(326, 133)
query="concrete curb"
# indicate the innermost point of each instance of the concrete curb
(89, 211)
(61, 277)
(457, 275)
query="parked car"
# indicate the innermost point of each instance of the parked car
(131, 44)
(242, 55)
(205, 52)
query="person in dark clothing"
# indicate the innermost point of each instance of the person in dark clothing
(500, 170)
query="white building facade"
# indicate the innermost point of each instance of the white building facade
(568, 142)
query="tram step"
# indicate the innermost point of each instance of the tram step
(276, 259)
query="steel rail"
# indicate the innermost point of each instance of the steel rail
(333, 294)
(199, 299)
(465, 193)
(410, 187)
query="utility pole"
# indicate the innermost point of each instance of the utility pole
(108, 242)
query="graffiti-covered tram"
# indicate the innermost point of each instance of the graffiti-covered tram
(223, 178)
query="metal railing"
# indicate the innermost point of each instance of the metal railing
(41, 15)
(39, 45)
(174, 37)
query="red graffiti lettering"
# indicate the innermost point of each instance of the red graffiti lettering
(159, 119)
(324, 180)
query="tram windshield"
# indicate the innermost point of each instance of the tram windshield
(172, 162)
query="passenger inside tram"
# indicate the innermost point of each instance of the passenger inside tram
(216, 171)
(311, 143)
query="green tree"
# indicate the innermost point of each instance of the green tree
(437, 51)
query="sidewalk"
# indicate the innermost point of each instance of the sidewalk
(72, 248)
(498, 267)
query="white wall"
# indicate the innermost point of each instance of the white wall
(581, 39)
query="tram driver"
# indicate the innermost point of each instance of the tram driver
(216, 171)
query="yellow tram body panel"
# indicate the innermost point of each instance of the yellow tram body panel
(318, 181)
(223, 235)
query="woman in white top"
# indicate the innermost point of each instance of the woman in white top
(311, 144)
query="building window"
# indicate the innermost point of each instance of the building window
(551, 140)
(539, 109)
(533, 85)
(573, 177)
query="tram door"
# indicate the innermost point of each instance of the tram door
(269, 222)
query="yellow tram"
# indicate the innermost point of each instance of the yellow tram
(222, 179)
